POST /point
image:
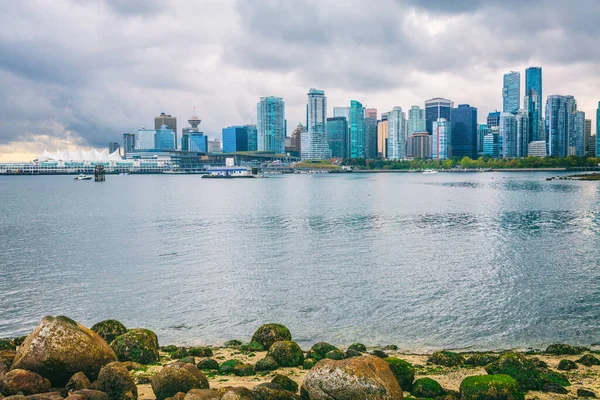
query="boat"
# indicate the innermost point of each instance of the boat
(429, 172)
(82, 177)
(229, 173)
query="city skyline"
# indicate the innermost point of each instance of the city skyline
(87, 94)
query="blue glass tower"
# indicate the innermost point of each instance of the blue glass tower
(271, 124)
(235, 138)
(357, 130)
(437, 108)
(560, 120)
(533, 104)
(164, 138)
(464, 131)
(598, 130)
(198, 142)
(252, 137)
(337, 136)
(511, 92)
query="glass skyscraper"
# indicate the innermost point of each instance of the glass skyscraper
(441, 140)
(314, 140)
(482, 130)
(417, 122)
(128, 143)
(533, 103)
(437, 108)
(198, 142)
(370, 137)
(357, 130)
(493, 119)
(508, 133)
(164, 138)
(144, 139)
(577, 136)
(396, 135)
(252, 137)
(235, 138)
(511, 92)
(560, 113)
(464, 131)
(169, 121)
(337, 136)
(523, 141)
(271, 124)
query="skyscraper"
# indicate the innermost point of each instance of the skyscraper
(235, 138)
(144, 139)
(169, 121)
(522, 119)
(252, 137)
(382, 135)
(464, 131)
(164, 138)
(337, 137)
(396, 134)
(198, 142)
(296, 142)
(598, 130)
(314, 141)
(371, 113)
(441, 139)
(194, 122)
(370, 138)
(560, 120)
(482, 130)
(342, 112)
(508, 135)
(590, 143)
(271, 124)
(416, 120)
(357, 130)
(533, 103)
(511, 92)
(577, 135)
(493, 119)
(435, 109)
(419, 145)
(128, 143)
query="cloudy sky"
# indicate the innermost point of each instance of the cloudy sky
(81, 72)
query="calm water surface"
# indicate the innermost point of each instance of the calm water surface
(482, 261)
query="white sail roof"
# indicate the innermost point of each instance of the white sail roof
(81, 155)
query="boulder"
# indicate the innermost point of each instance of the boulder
(252, 346)
(272, 391)
(60, 347)
(238, 393)
(519, 368)
(428, 388)
(481, 359)
(26, 382)
(588, 360)
(566, 365)
(366, 377)
(585, 393)
(489, 387)
(551, 387)
(208, 364)
(403, 371)
(446, 358)
(286, 353)
(271, 333)
(115, 381)
(78, 382)
(233, 344)
(188, 360)
(244, 370)
(6, 344)
(87, 394)
(7, 357)
(358, 347)
(309, 363)
(267, 364)
(133, 366)
(177, 377)
(379, 353)
(139, 345)
(335, 355)
(564, 349)
(227, 367)
(45, 396)
(390, 347)
(109, 330)
(3, 369)
(15, 397)
(200, 351)
(353, 353)
(549, 376)
(202, 394)
(319, 350)
(285, 382)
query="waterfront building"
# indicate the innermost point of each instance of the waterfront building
(144, 139)
(492, 144)
(113, 146)
(198, 142)
(416, 120)
(396, 134)
(560, 120)
(482, 130)
(420, 145)
(234, 138)
(371, 113)
(441, 140)
(252, 137)
(356, 124)
(590, 141)
(464, 131)
(370, 138)
(537, 149)
(337, 136)
(522, 119)
(128, 143)
(435, 109)
(169, 121)
(164, 138)
(493, 119)
(214, 146)
(533, 103)
(511, 92)
(314, 140)
(508, 133)
(577, 136)
(271, 124)
(382, 136)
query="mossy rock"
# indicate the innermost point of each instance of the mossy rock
(379, 353)
(271, 333)
(538, 363)
(309, 363)
(139, 345)
(335, 355)
(566, 365)
(179, 353)
(115, 381)
(252, 346)
(286, 353)
(588, 360)
(237, 393)
(353, 353)
(19, 381)
(481, 359)
(272, 391)
(519, 368)
(403, 371)
(390, 347)
(428, 388)
(358, 347)
(244, 370)
(446, 359)
(551, 387)
(585, 393)
(78, 382)
(7, 344)
(267, 364)
(88, 394)
(169, 349)
(226, 367)
(109, 330)
(177, 377)
(208, 364)
(233, 344)
(200, 351)
(561, 349)
(188, 360)
(319, 350)
(285, 382)
(490, 387)
(554, 377)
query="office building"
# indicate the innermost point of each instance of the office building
(169, 121)
(522, 119)
(577, 135)
(560, 120)
(396, 134)
(113, 146)
(128, 143)
(370, 138)
(435, 109)
(314, 140)
(371, 113)
(234, 139)
(441, 140)
(342, 112)
(482, 130)
(382, 136)
(590, 141)
(198, 142)
(194, 122)
(533, 103)
(420, 145)
(492, 144)
(537, 149)
(416, 120)
(337, 136)
(296, 140)
(252, 137)
(164, 138)
(464, 131)
(598, 130)
(144, 139)
(508, 133)
(493, 119)
(214, 146)
(271, 124)
(356, 124)
(511, 92)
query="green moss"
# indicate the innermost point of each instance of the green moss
(446, 358)
(244, 370)
(481, 359)
(109, 330)
(490, 387)
(271, 333)
(319, 350)
(139, 345)
(267, 364)
(200, 351)
(403, 371)
(335, 355)
(227, 367)
(554, 377)
(66, 319)
(169, 349)
(427, 387)
(379, 353)
(208, 364)
(358, 347)
(566, 365)
(353, 353)
(588, 360)
(391, 347)
(6, 344)
(285, 382)
(252, 346)
(286, 353)
(519, 368)
(309, 363)
(233, 344)
(564, 349)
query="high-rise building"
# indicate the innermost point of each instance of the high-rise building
(416, 120)
(337, 136)
(493, 119)
(537, 149)
(356, 122)
(508, 133)
(560, 121)
(164, 138)
(441, 140)
(271, 124)
(214, 146)
(342, 112)
(128, 143)
(169, 121)
(577, 135)
(522, 119)
(194, 122)
(511, 92)
(296, 142)
(382, 136)
(464, 131)
(235, 138)
(482, 130)
(435, 109)
(198, 142)
(420, 145)
(144, 139)
(370, 138)
(371, 113)
(396, 134)
(314, 141)
(492, 143)
(590, 142)
(533, 103)
(252, 137)
(598, 130)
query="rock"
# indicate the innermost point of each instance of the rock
(45, 396)
(18, 340)
(272, 391)
(139, 345)
(379, 353)
(133, 366)
(391, 347)
(238, 393)
(109, 330)
(200, 351)
(178, 396)
(15, 397)
(227, 367)
(169, 349)
(539, 364)
(271, 333)
(427, 387)
(358, 347)
(481, 359)
(490, 387)
(233, 344)
(78, 382)
(319, 350)
(588, 360)
(188, 360)
(309, 363)
(446, 358)
(286, 353)
(3, 369)
(115, 381)
(566, 365)
(551, 387)
(177, 377)
(553, 377)
(26, 382)
(252, 346)
(87, 394)
(60, 347)
(564, 349)
(202, 394)
(403, 371)
(353, 353)
(285, 383)
(208, 364)
(267, 364)
(6, 344)
(366, 377)
(518, 367)
(585, 393)
(335, 355)
(244, 370)
(7, 357)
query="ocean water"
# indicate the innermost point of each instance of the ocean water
(453, 261)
